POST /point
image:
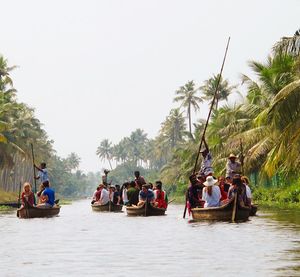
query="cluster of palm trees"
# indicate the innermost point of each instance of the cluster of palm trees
(265, 124)
(19, 128)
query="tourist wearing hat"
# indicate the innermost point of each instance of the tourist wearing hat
(211, 193)
(206, 166)
(232, 167)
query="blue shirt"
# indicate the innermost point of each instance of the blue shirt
(43, 175)
(149, 195)
(51, 195)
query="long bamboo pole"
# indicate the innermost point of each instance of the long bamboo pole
(34, 174)
(212, 105)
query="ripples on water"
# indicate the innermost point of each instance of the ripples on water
(81, 242)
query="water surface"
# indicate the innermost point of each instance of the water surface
(80, 242)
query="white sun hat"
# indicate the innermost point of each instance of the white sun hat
(210, 181)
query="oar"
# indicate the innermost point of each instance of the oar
(234, 208)
(19, 199)
(185, 207)
(34, 175)
(171, 201)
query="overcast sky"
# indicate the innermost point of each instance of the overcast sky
(100, 69)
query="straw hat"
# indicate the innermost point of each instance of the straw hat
(210, 181)
(232, 156)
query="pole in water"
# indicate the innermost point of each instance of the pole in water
(19, 199)
(34, 174)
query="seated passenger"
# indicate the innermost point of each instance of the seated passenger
(133, 194)
(160, 196)
(211, 194)
(246, 182)
(146, 194)
(195, 192)
(124, 190)
(104, 196)
(27, 195)
(47, 197)
(221, 180)
(239, 188)
(114, 195)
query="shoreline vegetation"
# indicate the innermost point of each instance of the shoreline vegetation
(262, 126)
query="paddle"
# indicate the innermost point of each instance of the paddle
(234, 208)
(34, 174)
(171, 201)
(19, 199)
(185, 207)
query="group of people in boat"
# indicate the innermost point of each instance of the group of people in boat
(134, 193)
(207, 191)
(45, 197)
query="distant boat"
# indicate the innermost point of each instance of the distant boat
(32, 212)
(222, 213)
(144, 210)
(109, 207)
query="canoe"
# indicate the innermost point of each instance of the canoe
(107, 208)
(222, 213)
(253, 210)
(32, 212)
(142, 211)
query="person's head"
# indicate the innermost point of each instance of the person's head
(26, 187)
(136, 174)
(46, 184)
(236, 181)
(204, 152)
(43, 165)
(150, 185)
(98, 188)
(245, 180)
(125, 185)
(193, 179)
(221, 179)
(158, 185)
(132, 184)
(101, 186)
(117, 187)
(228, 180)
(145, 188)
(232, 157)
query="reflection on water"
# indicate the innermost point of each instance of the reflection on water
(84, 243)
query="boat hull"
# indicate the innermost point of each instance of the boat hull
(253, 210)
(107, 208)
(142, 211)
(33, 212)
(222, 213)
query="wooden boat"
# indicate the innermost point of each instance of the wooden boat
(253, 210)
(32, 212)
(109, 207)
(222, 213)
(144, 210)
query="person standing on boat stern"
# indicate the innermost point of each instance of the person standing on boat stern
(139, 180)
(232, 167)
(160, 196)
(211, 193)
(47, 197)
(43, 173)
(206, 166)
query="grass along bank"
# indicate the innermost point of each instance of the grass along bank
(6, 196)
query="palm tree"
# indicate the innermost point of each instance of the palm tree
(104, 151)
(289, 45)
(210, 86)
(187, 96)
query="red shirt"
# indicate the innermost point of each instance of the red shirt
(28, 198)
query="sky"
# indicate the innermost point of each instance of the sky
(97, 69)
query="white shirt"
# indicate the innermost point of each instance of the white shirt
(248, 192)
(206, 166)
(124, 195)
(212, 200)
(104, 198)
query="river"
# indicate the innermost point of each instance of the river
(80, 242)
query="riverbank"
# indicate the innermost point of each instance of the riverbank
(6, 196)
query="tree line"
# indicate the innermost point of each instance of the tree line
(264, 124)
(19, 128)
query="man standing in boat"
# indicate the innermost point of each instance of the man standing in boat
(206, 166)
(139, 180)
(233, 167)
(43, 173)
